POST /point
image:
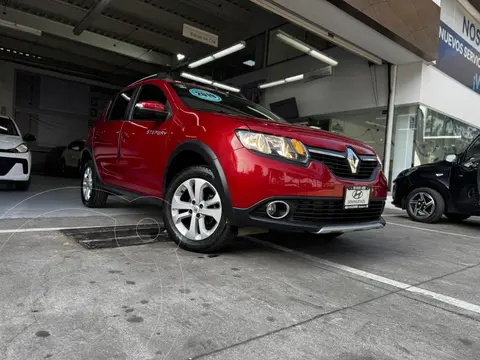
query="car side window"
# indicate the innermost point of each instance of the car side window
(150, 92)
(474, 151)
(119, 108)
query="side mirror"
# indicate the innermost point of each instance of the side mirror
(451, 158)
(29, 137)
(150, 110)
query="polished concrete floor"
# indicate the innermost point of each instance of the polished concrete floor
(409, 291)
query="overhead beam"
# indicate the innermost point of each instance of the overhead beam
(90, 17)
(107, 24)
(87, 37)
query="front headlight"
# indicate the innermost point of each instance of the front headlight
(22, 148)
(290, 149)
(380, 162)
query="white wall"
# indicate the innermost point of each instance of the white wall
(351, 87)
(425, 84)
(409, 82)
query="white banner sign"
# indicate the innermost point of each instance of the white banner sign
(462, 22)
(200, 35)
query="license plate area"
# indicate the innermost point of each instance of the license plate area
(356, 197)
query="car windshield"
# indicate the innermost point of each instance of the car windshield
(7, 127)
(199, 99)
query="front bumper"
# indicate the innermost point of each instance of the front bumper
(14, 166)
(314, 215)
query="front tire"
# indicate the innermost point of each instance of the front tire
(194, 212)
(425, 205)
(92, 196)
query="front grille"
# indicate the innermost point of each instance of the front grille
(6, 164)
(327, 211)
(340, 167)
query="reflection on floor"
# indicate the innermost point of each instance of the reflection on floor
(59, 197)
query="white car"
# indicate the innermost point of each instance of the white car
(15, 156)
(71, 156)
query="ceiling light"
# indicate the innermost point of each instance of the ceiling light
(196, 78)
(39, 58)
(294, 78)
(281, 82)
(180, 57)
(2, 49)
(442, 137)
(27, 54)
(234, 48)
(301, 46)
(201, 62)
(21, 53)
(19, 27)
(14, 51)
(209, 82)
(8, 50)
(249, 63)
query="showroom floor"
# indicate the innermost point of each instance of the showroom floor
(58, 197)
(410, 291)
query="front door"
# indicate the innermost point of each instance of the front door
(107, 137)
(464, 186)
(142, 143)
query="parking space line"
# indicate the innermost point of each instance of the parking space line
(433, 230)
(399, 285)
(29, 230)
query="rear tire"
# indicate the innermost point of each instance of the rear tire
(23, 185)
(209, 231)
(425, 205)
(457, 217)
(92, 196)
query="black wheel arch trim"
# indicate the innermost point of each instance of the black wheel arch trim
(211, 159)
(87, 149)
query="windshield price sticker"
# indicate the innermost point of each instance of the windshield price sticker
(205, 95)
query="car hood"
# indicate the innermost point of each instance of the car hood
(440, 166)
(9, 142)
(310, 137)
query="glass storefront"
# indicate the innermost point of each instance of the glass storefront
(367, 126)
(423, 136)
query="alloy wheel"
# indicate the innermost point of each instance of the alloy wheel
(196, 209)
(422, 205)
(87, 183)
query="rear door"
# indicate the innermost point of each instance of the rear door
(464, 180)
(142, 144)
(107, 137)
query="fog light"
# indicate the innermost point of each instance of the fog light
(271, 209)
(277, 209)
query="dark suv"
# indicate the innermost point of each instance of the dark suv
(447, 188)
(220, 162)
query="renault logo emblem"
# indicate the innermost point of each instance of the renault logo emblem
(353, 160)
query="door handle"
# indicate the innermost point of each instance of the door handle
(125, 136)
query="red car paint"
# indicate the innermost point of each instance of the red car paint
(133, 155)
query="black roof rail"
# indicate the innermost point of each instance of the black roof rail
(162, 76)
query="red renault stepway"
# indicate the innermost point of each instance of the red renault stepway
(220, 162)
